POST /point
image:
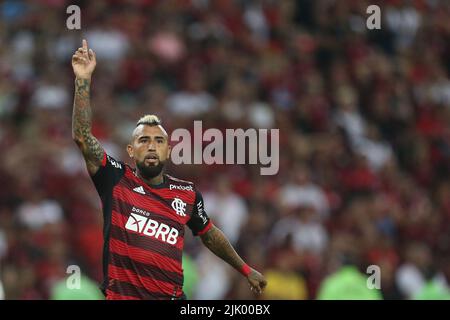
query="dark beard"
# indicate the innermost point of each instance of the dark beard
(149, 172)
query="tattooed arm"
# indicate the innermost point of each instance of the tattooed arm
(217, 242)
(83, 63)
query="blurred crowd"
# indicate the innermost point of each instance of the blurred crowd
(364, 119)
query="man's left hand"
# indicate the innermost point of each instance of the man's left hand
(257, 281)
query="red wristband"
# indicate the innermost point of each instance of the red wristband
(245, 270)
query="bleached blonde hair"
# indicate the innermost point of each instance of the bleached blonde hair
(149, 119)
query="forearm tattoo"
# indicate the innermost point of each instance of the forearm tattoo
(218, 243)
(82, 122)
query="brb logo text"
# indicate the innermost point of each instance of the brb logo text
(152, 228)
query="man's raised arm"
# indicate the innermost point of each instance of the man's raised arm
(83, 64)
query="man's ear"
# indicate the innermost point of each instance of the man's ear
(169, 150)
(130, 150)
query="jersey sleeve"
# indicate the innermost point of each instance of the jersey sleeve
(108, 175)
(199, 223)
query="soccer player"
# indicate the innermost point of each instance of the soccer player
(144, 209)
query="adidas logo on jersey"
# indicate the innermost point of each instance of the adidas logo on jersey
(139, 189)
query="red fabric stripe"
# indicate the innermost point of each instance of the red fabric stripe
(141, 255)
(110, 295)
(119, 220)
(104, 159)
(126, 195)
(205, 229)
(149, 284)
(245, 270)
(145, 243)
(145, 269)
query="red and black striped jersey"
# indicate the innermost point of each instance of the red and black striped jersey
(144, 231)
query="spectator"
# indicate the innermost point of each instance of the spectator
(227, 209)
(302, 192)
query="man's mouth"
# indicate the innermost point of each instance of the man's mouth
(151, 159)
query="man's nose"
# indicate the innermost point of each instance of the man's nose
(152, 145)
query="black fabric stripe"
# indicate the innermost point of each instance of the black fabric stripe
(146, 243)
(146, 270)
(105, 183)
(128, 289)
